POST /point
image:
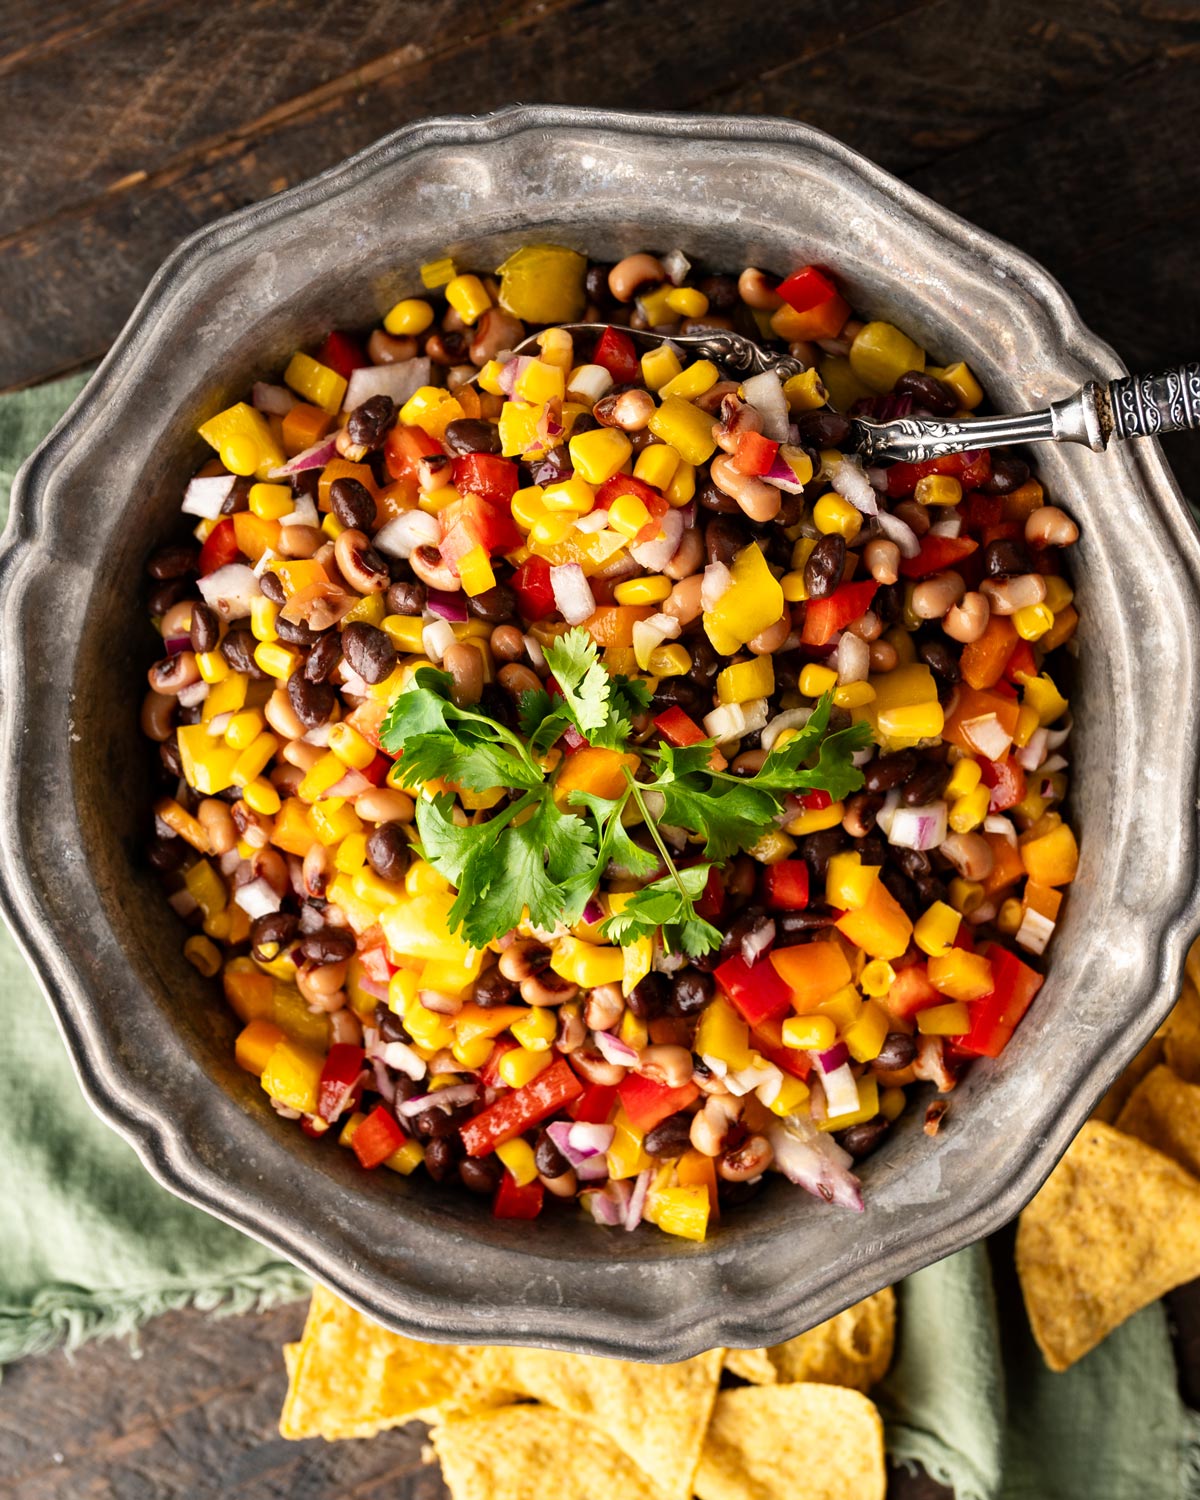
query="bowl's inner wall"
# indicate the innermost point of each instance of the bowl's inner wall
(334, 267)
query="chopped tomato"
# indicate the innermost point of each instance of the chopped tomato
(754, 454)
(821, 307)
(488, 476)
(489, 1074)
(377, 770)
(785, 885)
(970, 469)
(1007, 782)
(220, 547)
(677, 728)
(815, 801)
(343, 1064)
(615, 352)
(937, 552)
(515, 1202)
(823, 618)
(758, 993)
(535, 596)
(1021, 664)
(475, 522)
(342, 353)
(648, 1103)
(626, 484)
(405, 447)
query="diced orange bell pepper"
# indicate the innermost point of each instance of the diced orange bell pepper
(596, 770)
(880, 926)
(394, 499)
(961, 975)
(1052, 859)
(255, 1043)
(1021, 503)
(250, 992)
(255, 534)
(612, 624)
(1062, 630)
(975, 703)
(304, 427)
(982, 662)
(342, 468)
(293, 831)
(813, 972)
(697, 1170)
(1007, 868)
(298, 574)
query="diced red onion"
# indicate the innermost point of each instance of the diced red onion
(918, 827)
(373, 988)
(512, 370)
(988, 735)
(398, 381)
(833, 1057)
(190, 696)
(1053, 763)
(385, 1084)
(757, 942)
(402, 535)
(1029, 757)
(1055, 738)
(229, 862)
(637, 1200)
(612, 1049)
(257, 898)
(318, 735)
(452, 607)
(315, 457)
(573, 596)
(687, 514)
(439, 1003)
(765, 394)
(609, 1204)
(716, 582)
(275, 400)
(676, 264)
(592, 1169)
(443, 1099)
(182, 902)
(814, 1161)
(998, 823)
(900, 532)
(401, 1057)
(437, 638)
(783, 472)
(177, 643)
(205, 497)
(882, 408)
(852, 484)
(350, 680)
(853, 658)
(593, 912)
(534, 649)
(230, 590)
(352, 784)
(657, 553)
(579, 1142)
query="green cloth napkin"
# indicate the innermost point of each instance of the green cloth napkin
(90, 1245)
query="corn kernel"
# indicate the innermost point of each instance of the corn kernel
(261, 797)
(814, 820)
(1009, 917)
(332, 527)
(537, 1030)
(254, 759)
(815, 681)
(409, 317)
(270, 501)
(935, 930)
(669, 661)
(213, 666)
(517, 1156)
(650, 590)
(865, 1036)
(911, 721)
(405, 1159)
(351, 854)
(656, 465)
(964, 385)
(876, 978)
(577, 494)
(519, 1066)
(263, 614)
(966, 896)
(938, 489)
(276, 660)
(427, 1028)
(809, 1033)
(475, 572)
(969, 811)
(745, 680)
(527, 505)
(549, 530)
(794, 588)
(1043, 697)
(327, 772)
(791, 1098)
(1033, 621)
(686, 428)
(317, 383)
(627, 514)
(805, 392)
(944, 1020)
(700, 376)
(202, 955)
(599, 454)
(880, 354)
(964, 778)
(853, 694)
(435, 273)
(422, 879)
(772, 848)
(834, 515)
(244, 440)
(244, 728)
(468, 296)
(687, 301)
(682, 485)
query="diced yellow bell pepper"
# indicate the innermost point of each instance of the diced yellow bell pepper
(753, 601)
(405, 1159)
(848, 882)
(658, 366)
(682, 1211)
(880, 354)
(475, 571)
(302, 1026)
(868, 1107)
(721, 1033)
(951, 1019)
(865, 1036)
(805, 392)
(518, 429)
(206, 888)
(543, 284)
(208, 763)
(292, 1075)
(638, 957)
(536, 1029)
(255, 1043)
(1044, 698)
(791, 1098)
(700, 376)
(432, 409)
(880, 926)
(1052, 858)
(317, 383)
(539, 382)
(745, 680)
(435, 273)
(626, 1157)
(517, 1156)
(418, 927)
(961, 975)
(936, 928)
(686, 428)
(599, 454)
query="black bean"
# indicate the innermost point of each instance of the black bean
(872, 849)
(387, 852)
(406, 599)
(724, 538)
(323, 657)
(436, 1123)
(352, 503)
(714, 499)
(167, 854)
(721, 291)
(312, 702)
(238, 650)
(238, 498)
(206, 628)
(860, 1140)
(792, 927)
(389, 1025)
(1008, 474)
(548, 1159)
(817, 849)
(677, 692)
(1003, 558)
(296, 632)
(825, 565)
(471, 435)
(734, 1194)
(913, 862)
(491, 988)
(496, 605)
(176, 561)
(691, 991)
(328, 945)
(650, 997)
(270, 933)
(751, 923)
(705, 661)
(928, 391)
(168, 752)
(163, 596)
(480, 1174)
(926, 784)
(887, 771)
(369, 651)
(369, 423)
(897, 1052)
(272, 587)
(670, 1137)
(939, 657)
(897, 886)
(824, 429)
(888, 603)
(442, 1158)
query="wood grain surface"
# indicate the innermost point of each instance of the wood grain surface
(1069, 128)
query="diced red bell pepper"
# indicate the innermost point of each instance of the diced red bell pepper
(515, 1202)
(615, 352)
(523, 1108)
(995, 1017)
(823, 618)
(571, 740)
(535, 596)
(785, 885)
(626, 484)
(754, 454)
(220, 547)
(711, 901)
(822, 308)
(405, 447)
(1006, 780)
(378, 768)
(486, 475)
(768, 1039)
(970, 469)
(648, 1103)
(678, 728)
(342, 353)
(594, 1105)
(758, 993)
(1020, 664)
(937, 552)
(377, 1137)
(474, 522)
(489, 1074)
(911, 991)
(343, 1064)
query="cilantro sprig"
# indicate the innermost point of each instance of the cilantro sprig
(541, 851)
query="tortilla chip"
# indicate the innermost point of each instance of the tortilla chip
(852, 1349)
(753, 1365)
(519, 1452)
(1181, 1040)
(1114, 1101)
(808, 1442)
(1115, 1227)
(1164, 1112)
(656, 1413)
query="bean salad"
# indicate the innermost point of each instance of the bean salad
(587, 779)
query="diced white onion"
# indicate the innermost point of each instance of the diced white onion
(852, 484)
(728, 722)
(231, 590)
(765, 394)
(573, 595)
(949, 525)
(398, 381)
(648, 636)
(792, 718)
(218, 725)
(998, 823)
(1029, 757)
(182, 902)
(1035, 931)
(716, 582)
(257, 898)
(437, 637)
(205, 497)
(595, 520)
(304, 513)
(841, 1092)
(676, 264)
(536, 655)
(853, 658)
(988, 736)
(752, 1077)
(918, 827)
(1053, 763)
(588, 383)
(268, 555)
(655, 554)
(401, 1057)
(900, 532)
(195, 693)
(1055, 738)
(755, 711)
(402, 535)
(883, 818)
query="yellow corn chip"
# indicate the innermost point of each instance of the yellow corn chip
(1115, 1227)
(1164, 1112)
(753, 1365)
(852, 1349)
(656, 1413)
(1114, 1100)
(805, 1442)
(519, 1452)
(1181, 1040)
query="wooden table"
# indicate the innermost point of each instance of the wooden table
(1069, 129)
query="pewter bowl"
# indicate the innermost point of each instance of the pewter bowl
(152, 1041)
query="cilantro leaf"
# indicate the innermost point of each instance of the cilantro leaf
(586, 687)
(420, 710)
(785, 770)
(470, 763)
(615, 844)
(667, 904)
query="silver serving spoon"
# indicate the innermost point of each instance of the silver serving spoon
(1135, 406)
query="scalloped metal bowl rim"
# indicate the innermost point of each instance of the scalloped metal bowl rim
(159, 1144)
